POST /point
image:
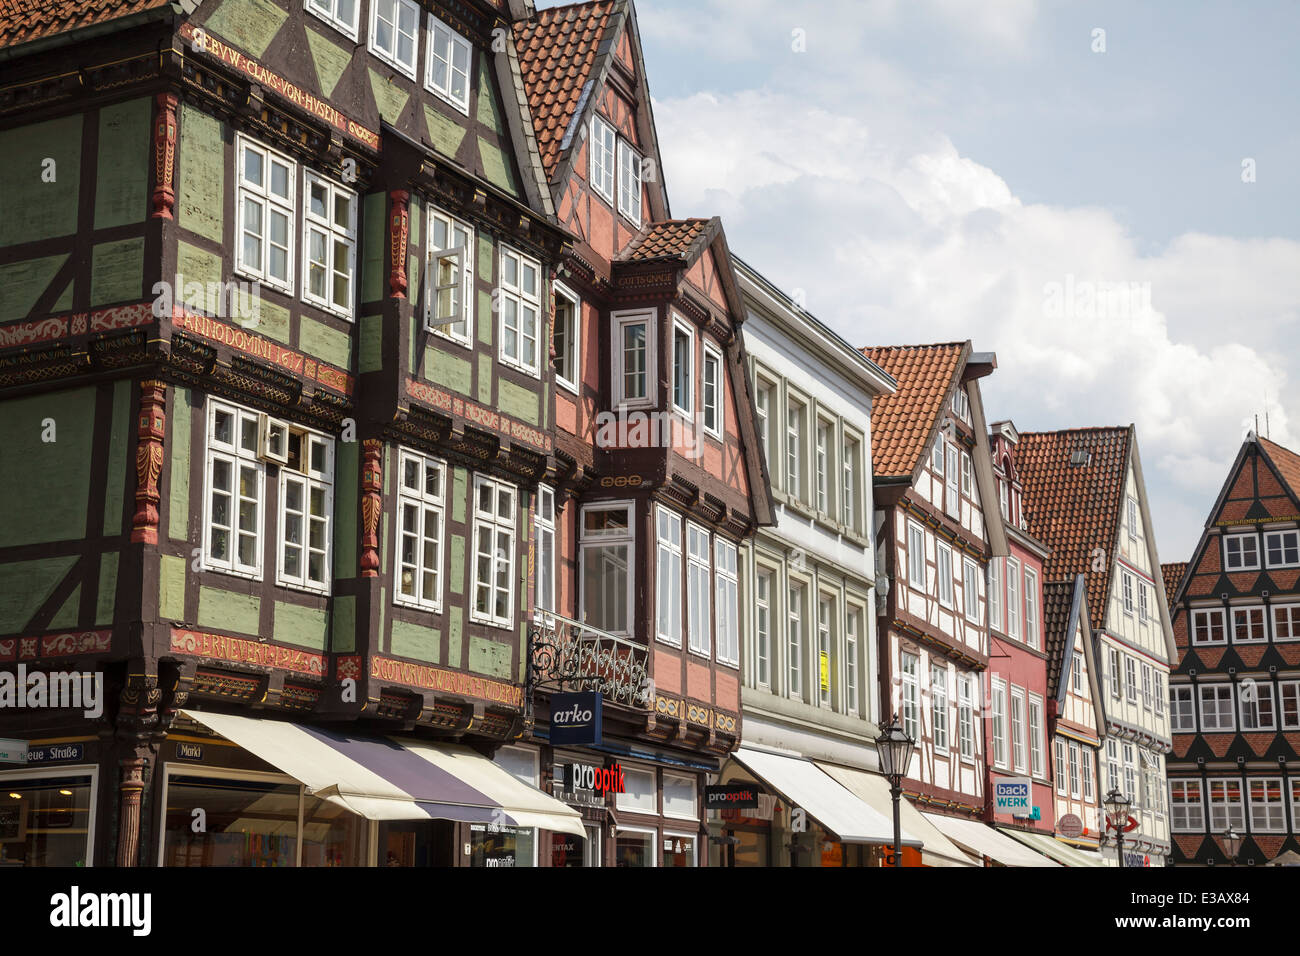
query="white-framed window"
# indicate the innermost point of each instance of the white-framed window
(1127, 582)
(680, 796)
(1146, 686)
(999, 723)
(915, 556)
(1282, 548)
(1076, 790)
(544, 518)
(825, 650)
(266, 213)
(1182, 709)
(711, 384)
(1112, 662)
(1130, 679)
(449, 61)
(629, 181)
(329, 244)
(1267, 814)
(1257, 711)
(966, 478)
(727, 584)
(234, 505)
(1112, 764)
(683, 366)
(1186, 809)
(1059, 747)
(639, 792)
(306, 511)
(449, 278)
(936, 456)
(852, 644)
(1076, 672)
(1227, 804)
(939, 704)
(603, 139)
(822, 460)
(1085, 756)
(1241, 551)
(849, 483)
(1286, 622)
(1144, 611)
(1004, 498)
(567, 337)
(340, 14)
(1248, 624)
(521, 308)
(794, 416)
(634, 357)
(1295, 798)
(965, 717)
(945, 574)
(1288, 693)
(1207, 626)
(1013, 598)
(794, 640)
(995, 593)
(495, 518)
(1216, 707)
(668, 576)
(393, 28)
(608, 537)
(699, 615)
(1160, 693)
(970, 576)
(763, 627)
(1130, 776)
(1018, 729)
(1134, 529)
(1035, 735)
(909, 667)
(763, 406)
(952, 502)
(1031, 607)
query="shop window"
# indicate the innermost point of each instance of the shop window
(249, 821)
(639, 793)
(46, 819)
(679, 850)
(568, 850)
(634, 847)
(422, 843)
(332, 836)
(491, 845)
(680, 796)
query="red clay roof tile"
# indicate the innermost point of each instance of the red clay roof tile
(901, 423)
(1287, 463)
(22, 21)
(661, 240)
(1173, 573)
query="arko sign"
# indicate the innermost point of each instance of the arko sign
(575, 719)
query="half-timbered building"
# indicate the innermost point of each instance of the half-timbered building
(1235, 695)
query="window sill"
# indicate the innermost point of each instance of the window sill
(463, 109)
(350, 32)
(492, 622)
(519, 367)
(465, 343)
(565, 384)
(392, 62)
(327, 307)
(416, 606)
(234, 573)
(318, 590)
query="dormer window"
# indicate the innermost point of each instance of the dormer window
(603, 144)
(615, 167)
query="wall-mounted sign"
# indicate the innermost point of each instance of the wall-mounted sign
(1013, 795)
(1136, 859)
(186, 751)
(581, 776)
(54, 753)
(732, 796)
(575, 719)
(13, 751)
(824, 666)
(1070, 826)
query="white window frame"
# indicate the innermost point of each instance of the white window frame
(825, 645)
(970, 577)
(1245, 611)
(1085, 766)
(849, 453)
(1144, 610)
(915, 556)
(461, 256)
(967, 478)
(1251, 713)
(601, 539)
(909, 694)
(310, 479)
(699, 572)
(944, 575)
(1127, 583)
(794, 407)
(629, 182)
(1182, 709)
(1019, 752)
(1212, 717)
(937, 456)
(523, 299)
(726, 574)
(669, 557)
(1146, 686)
(764, 390)
(687, 376)
(1134, 532)
(333, 233)
(235, 455)
(603, 159)
(1225, 812)
(571, 354)
(497, 525)
(1000, 749)
(1281, 538)
(853, 615)
(1035, 713)
(1241, 539)
(1116, 678)
(454, 42)
(1031, 607)
(794, 639)
(1076, 672)
(624, 801)
(1013, 598)
(1182, 807)
(952, 486)
(823, 430)
(939, 704)
(1076, 788)
(1130, 679)
(763, 619)
(619, 321)
(965, 717)
(391, 56)
(712, 406)
(995, 593)
(545, 585)
(1207, 617)
(268, 202)
(327, 10)
(1059, 749)
(1286, 617)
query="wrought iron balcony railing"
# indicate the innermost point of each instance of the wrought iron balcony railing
(567, 655)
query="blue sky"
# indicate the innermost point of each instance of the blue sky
(930, 170)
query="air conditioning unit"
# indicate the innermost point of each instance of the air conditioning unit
(273, 439)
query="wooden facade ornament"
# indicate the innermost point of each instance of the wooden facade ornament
(130, 792)
(372, 483)
(164, 153)
(137, 721)
(400, 228)
(148, 460)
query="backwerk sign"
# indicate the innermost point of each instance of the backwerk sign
(1014, 796)
(575, 719)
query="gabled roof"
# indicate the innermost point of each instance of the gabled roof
(557, 53)
(1286, 462)
(22, 21)
(1076, 508)
(903, 423)
(1173, 574)
(671, 239)
(1057, 633)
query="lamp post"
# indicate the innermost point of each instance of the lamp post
(894, 750)
(1117, 815)
(1232, 845)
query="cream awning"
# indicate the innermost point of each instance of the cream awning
(1060, 852)
(983, 840)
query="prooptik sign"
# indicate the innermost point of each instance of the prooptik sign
(581, 776)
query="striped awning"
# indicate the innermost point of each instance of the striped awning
(390, 778)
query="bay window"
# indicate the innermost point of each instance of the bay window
(633, 358)
(607, 539)
(699, 618)
(728, 600)
(683, 366)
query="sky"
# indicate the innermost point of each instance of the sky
(1105, 194)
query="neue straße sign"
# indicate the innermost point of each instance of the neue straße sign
(575, 719)
(731, 796)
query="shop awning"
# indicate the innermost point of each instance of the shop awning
(801, 784)
(983, 840)
(872, 788)
(1060, 852)
(392, 778)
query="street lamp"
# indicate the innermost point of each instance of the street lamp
(1117, 814)
(894, 749)
(1232, 844)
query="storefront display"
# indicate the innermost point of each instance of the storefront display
(46, 818)
(501, 845)
(634, 847)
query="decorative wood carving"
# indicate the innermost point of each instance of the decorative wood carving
(372, 482)
(148, 460)
(400, 227)
(164, 152)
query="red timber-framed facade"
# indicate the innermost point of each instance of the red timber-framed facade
(937, 526)
(1235, 694)
(657, 475)
(298, 445)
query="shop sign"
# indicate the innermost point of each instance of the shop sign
(1137, 860)
(731, 796)
(825, 668)
(603, 780)
(1070, 826)
(575, 719)
(186, 751)
(55, 752)
(1013, 795)
(13, 751)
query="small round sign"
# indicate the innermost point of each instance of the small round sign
(1070, 826)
